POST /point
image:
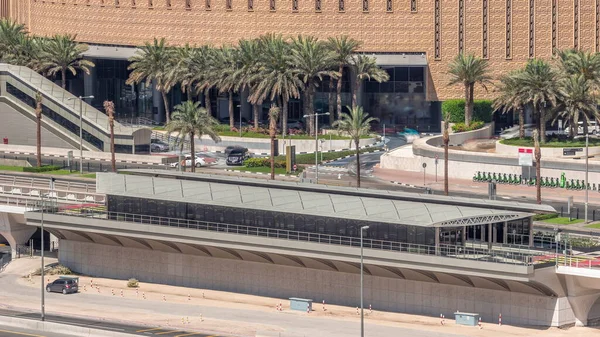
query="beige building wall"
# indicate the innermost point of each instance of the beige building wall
(399, 30)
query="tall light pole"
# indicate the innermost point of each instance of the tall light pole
(81, 98)
(43, 308)
(362, 316)
(586, 176)
(316, 116)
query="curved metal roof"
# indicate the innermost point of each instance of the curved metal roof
(325, 203)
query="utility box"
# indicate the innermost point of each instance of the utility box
(466, 318)
(300, 304)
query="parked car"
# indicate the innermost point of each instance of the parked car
(234, 147)
(237, 156)
(64, 286)
(592, 128)
(295, 124)
(199, 161)
(157, 145)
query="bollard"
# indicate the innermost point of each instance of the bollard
(182, 320)
(441, 319)
(122, 293)
(370, 309)
(324, 306)
(164, 298)
(357, 311)
(500, 319)
(137, 293)
(308, 310)
(280, 307)
(202, 294)
(189, 297)
(144, 295)
(480, 327)
(113, 292)
(188, 320)
(84, 288)
(201, 319)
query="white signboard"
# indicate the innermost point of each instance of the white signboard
(525, 157)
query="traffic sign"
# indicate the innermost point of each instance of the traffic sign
(424, 165)
(525, 157)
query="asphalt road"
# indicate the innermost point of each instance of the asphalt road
(94, 324)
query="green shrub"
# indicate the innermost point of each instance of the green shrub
(133, 283)
(45, 168)
(58, 269)
(461, 127)
(482, 110)
(264, 162)
(540, 217)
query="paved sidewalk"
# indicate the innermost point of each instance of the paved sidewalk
(507, 192)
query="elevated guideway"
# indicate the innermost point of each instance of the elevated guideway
(61, 110)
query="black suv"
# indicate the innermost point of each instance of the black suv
(64, 286)
(237, 155)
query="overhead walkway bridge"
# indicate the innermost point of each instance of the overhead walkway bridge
(61, 111)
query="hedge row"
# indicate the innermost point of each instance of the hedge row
(263, 162)
(461, 127)
(45, 168)
(482, 110)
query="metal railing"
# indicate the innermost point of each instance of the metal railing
(36, 192)
(514, 256)
(20, 181)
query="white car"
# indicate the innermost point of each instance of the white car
(188, 162)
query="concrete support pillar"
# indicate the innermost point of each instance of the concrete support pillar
(530, 232)
(580, 299)
(14, 231)
(437, 241)
(489, 236)
(495, 233)
(464, 235)
(505, 233)
(482, 237)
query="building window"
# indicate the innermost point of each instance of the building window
(576, 24)
(207, 4)
(389, 6)
(531, 28)
(272, 5)
(508, 29)
(188, 4)
(250, 5)
(318, 5)
(365, 4)
(413, 6)
(228, 4)
(484, 37)
(437, 29)
(294, 5)
(132, 3)
(168, 4)
(554, 26)
(461, 25)
(150, 4)
(341, 5)
(117, 3)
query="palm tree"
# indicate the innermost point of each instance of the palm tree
(205, 76)
(578, 103)
(62, 53)
(275, 79)
(574, 62)
(38, 118)
(152, 62)
(446, 139)
(538, 86)
(11, 34)
(313, 61)
(225, 69)
(109, 107)
(186, 67)
(249, 65)
(189, 119)
(469, 70)
(538, 169)
(343, 47)
(273, 116)
(366, 69)
(356, 124)
(508, 100)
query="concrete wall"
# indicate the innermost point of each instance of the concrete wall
(547, 152)
(21, 130)
(266, 279)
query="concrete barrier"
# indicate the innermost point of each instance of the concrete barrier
(547, 152)
(58, 328)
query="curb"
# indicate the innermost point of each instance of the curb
(405, 185)
(59, 328)
(85, 158)
(260, 173)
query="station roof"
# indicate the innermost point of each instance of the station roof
(318, 200)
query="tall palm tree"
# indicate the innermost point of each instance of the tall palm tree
(249, 65)
(357, 123)
(509, 100)
(469, 70)
(225, 68)
(539, 87)
(538, 168)
(191, 120)
(313, 61)
(366, 68)
(273, 116)
(579, 103)
(205, 76)
(343, 47)
(152, 62)
(62, 53)
(446, 140)
(109, 107)
(574, 62)
(186, 67)
(11, 34)
(276, 79)
(38, 119)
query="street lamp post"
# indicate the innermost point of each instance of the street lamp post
(81, 98)
(586, 176)
(43, 307)
(316, 116)
(362, 316)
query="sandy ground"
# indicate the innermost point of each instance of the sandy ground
(135, 306)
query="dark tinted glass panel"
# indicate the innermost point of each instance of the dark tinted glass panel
(417, 74)
(401, 74)
(401, 87)
(386, 87)
(390, 71)
(371, 86)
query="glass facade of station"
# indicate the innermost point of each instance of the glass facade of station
(422, 235)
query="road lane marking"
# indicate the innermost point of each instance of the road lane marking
(153, 329)
(191, 334)
(168, 332)
(21, 333)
